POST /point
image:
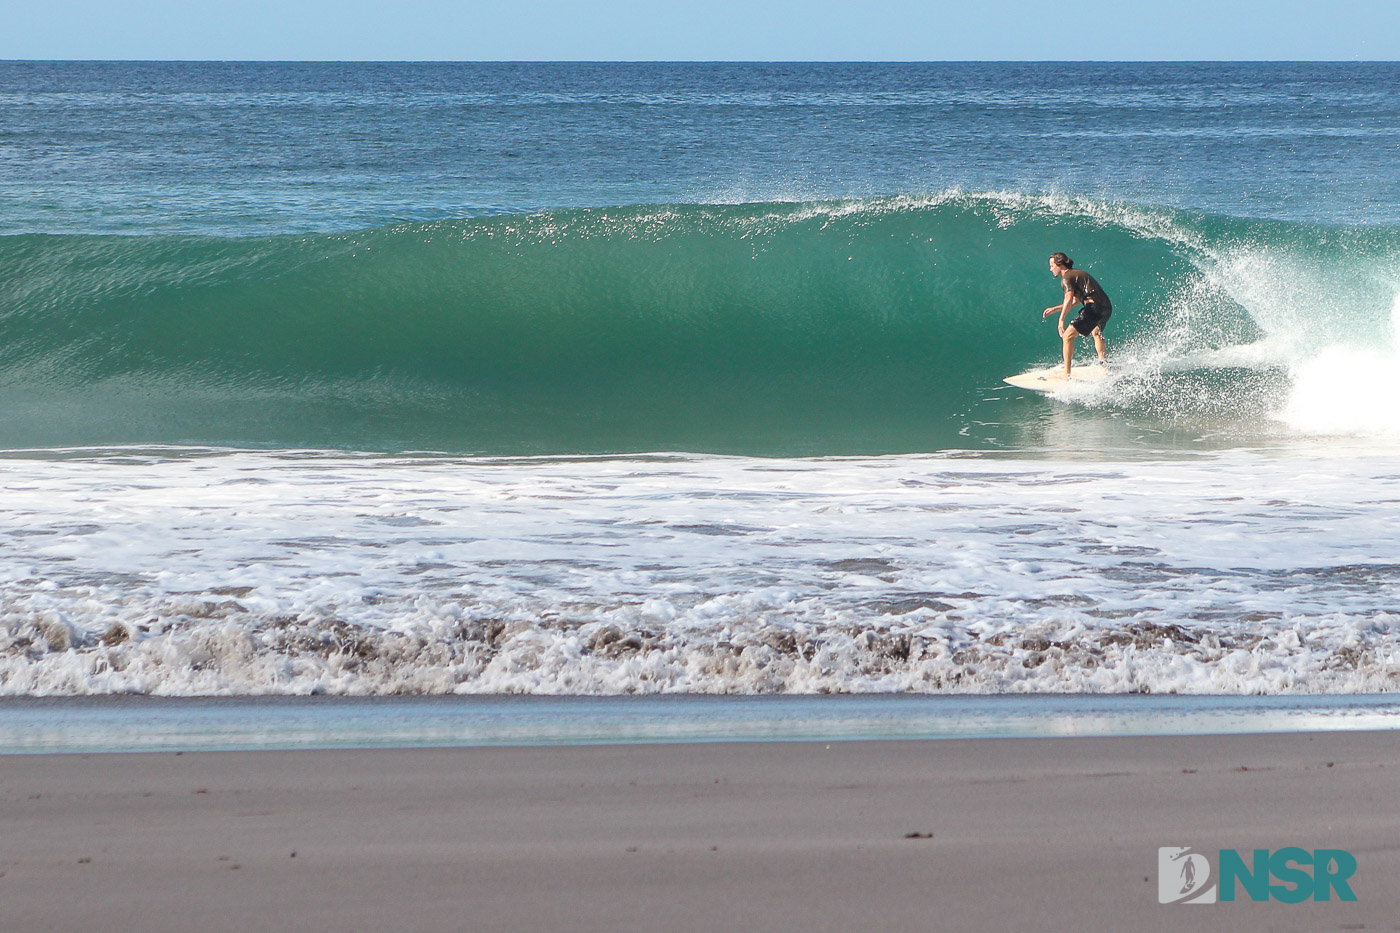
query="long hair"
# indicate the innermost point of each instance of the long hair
(1062, 260)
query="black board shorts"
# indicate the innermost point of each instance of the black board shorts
(1090, 316)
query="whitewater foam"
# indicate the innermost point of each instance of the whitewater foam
(249, 573)
(1349, 389)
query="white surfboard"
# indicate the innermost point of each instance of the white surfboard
(1053, 379)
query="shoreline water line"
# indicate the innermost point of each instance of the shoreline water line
(146, 724)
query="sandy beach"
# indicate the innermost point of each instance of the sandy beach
(978, 834)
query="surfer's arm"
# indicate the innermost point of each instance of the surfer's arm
(1069, 302)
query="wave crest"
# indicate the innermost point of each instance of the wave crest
(825, 327)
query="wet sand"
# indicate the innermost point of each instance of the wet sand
(963, 834)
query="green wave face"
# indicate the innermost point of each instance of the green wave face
(795, 328)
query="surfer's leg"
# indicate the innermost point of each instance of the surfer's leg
(1100, 344)
(1069, 335)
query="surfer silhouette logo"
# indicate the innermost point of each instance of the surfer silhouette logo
(1188, 875)
(1182, 876)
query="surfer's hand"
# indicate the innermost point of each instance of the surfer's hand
(1048, 312)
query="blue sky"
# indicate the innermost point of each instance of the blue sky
(742, 30)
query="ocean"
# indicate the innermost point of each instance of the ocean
(362, 379)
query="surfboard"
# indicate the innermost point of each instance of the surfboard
(1053, 379)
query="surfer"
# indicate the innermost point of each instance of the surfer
(1080, 288)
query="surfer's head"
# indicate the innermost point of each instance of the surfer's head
(1059, 262)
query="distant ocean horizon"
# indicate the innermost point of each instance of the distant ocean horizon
(667, 377)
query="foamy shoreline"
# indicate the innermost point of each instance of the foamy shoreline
(1237, 572)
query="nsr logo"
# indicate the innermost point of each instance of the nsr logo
(1184, 875)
